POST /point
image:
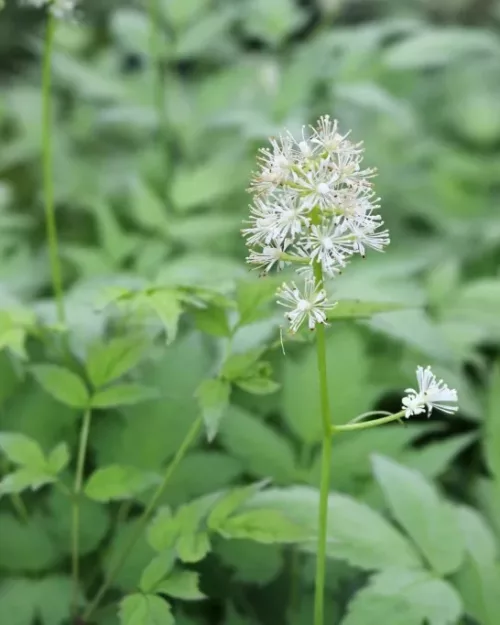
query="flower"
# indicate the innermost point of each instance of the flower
(432, 393)
(60, 9)
(314, 208)
(311, 305)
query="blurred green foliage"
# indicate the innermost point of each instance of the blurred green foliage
(152, 253)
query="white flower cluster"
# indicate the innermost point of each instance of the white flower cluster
(313, 207)
(61, 9)
(432, 393)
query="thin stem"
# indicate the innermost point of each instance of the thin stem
(75, 516)
(319, 586)
(20, 507)
(144, 518)
(159, 93)
(368, 424)
(48, 181)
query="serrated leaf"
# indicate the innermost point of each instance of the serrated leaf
(138, 609)
(58, 458)
(213, 398)
(20, 449)
(163, 530)
(62, 384)
(230, 502)
(159, 567)
(263, 450)
(122, 395)
(24, 478)
(108, 361)
(181, 584)
(429, 520)
(415, 594)
(167, 306)
(263, 525)
(193, 546)
(118, 482)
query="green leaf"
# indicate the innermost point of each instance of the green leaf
(163, 530)
(140, 555)
(118, 482)
(429, 521)
(212, 320)
(405, 597)
(239, 365)
(251, 562)
(355, 532)
(26, 546)
(181, 584)
(167, 306)
(159, 567)
(358, 309)
(491, 438)
(62, 384)
(24, 478)
(140, 609)
(264, 526)
(230, 502)
(22, 450)
(58, 459)
(213, 398)
(122, 395)
(252, 296)
(108, 361)
(262, 449)
(193, 546)
(258, 386)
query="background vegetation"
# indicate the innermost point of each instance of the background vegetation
(149, 210)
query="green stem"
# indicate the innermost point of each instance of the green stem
(20, 507)
(348, 427)
(144, 518)
(48, 181)
(75, 516)
(159, 93)
(319, 586)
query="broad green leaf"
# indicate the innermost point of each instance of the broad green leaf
(258, 385)
(138, 609)
(58, 458)
(418, 508)
(62, 384)
(193, 542)
(24, 478)
(212, 320)
(263, 451)
(355, 533)
(252, 296)
(163, 530)
(433, 459)
(167, 306)
(402, 597)
(239, 365)
(118, 482)
(230, 502)
(122, 395)
(20, 449)
(159, 567)
(358, 309)
(26, 546)
(491, 438)
(108, 361)
(213, 398)
(264, 525)
(252, 563)
(181, 584)
(193, 546)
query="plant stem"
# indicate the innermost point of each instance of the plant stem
(159, 94)
(75, 516)
(319, 586)
(20, 507)
(48, 182)
(368, 424)
(144, 518)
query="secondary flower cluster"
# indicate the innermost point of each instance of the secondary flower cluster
(61, 9)
(314, 208)
(432, 393)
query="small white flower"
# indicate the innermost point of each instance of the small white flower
(312, 305)
(432, 393)
(328, 245)
(267, 258)
(63, 9)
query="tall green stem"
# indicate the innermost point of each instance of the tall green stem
(159, 92)
(48, 174)
(319, 589)
(145, 517)
(75, 516)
